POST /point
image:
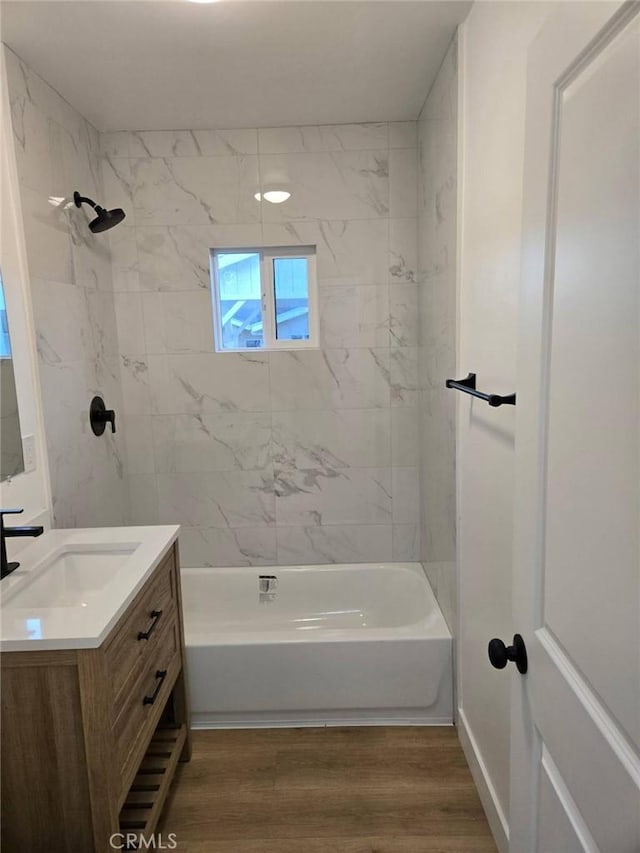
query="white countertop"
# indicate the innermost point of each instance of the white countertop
(70, 623)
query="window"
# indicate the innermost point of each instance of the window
(264, 298)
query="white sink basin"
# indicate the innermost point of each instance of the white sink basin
(71, 576)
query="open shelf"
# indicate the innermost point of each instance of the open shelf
(143, 805)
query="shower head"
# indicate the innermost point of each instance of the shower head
(105, 219)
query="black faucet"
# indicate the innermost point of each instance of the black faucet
(35, 530)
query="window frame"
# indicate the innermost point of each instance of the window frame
(267, 255)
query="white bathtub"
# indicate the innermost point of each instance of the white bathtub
(356, 644)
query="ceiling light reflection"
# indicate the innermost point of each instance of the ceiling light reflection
(274, 196)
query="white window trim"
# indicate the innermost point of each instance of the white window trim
(267, 256)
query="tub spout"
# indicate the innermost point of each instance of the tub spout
(267, 583)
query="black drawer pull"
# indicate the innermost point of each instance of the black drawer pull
(161, 674)
(155, 615)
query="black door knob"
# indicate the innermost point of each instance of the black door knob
(500, 655)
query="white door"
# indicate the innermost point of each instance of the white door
(575, 771)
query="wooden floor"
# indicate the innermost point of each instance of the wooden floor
(332, 790)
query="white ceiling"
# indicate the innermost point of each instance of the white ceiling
(160, 65)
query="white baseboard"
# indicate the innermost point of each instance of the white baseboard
(301, 719)
(488, 797)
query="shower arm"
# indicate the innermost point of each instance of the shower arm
(81, 199)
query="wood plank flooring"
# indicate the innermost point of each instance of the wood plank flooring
(331, 790)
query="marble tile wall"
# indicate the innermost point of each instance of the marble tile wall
(437, 199)
(283, 457)
(57, 152)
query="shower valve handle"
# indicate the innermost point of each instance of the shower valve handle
(100, 416)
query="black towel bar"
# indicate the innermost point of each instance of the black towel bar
(468, 386)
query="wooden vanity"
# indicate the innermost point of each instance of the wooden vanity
(91, 737)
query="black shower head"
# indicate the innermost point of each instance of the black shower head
(105, 219)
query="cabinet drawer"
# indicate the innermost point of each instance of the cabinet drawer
(139, 709)
(129, 651)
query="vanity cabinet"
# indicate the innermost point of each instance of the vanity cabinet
(91, 737)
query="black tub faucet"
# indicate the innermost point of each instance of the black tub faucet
(34, 530)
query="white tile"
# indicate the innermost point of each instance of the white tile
(340, 137)
(71, 152)
(195, 190)
(72, 492)
(227, 142)
(406, 543)
(90, 255)
(217, 499)
(138, 444)
(115, 144)
(178, 322)
(403, 183)
(175, 258)
(332, 440)
(326, 496)
(406, 495)
(403, 251)
(437, 316)
(438, 476)
(330, 379)
(193, 143)
(405, 436)
(102, 319)
(32, 147)
(60, 157)
(340, 185)
(214, 546)
(403, 372)
(66, 407)
(403, 315)
(233, 236)
(162, 143)
(354, 316)
(334, 544)
(46, 231)
(118, 186)
(108, 384)
(136, 396)
(212, 442)
(143, 499)
(112, 499)
(124, 259)
(210, 383)
(188, 321)
(128, 308)
(75, 159)
(62, 321)
(152, 323)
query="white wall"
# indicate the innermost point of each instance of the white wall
(494, 43)
(29, 490)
